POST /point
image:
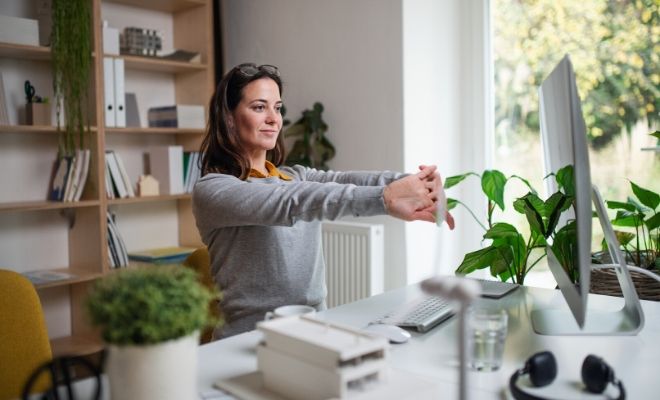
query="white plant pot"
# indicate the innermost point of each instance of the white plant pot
(161, 371)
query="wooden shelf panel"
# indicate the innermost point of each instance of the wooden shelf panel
(76, 345)
(155, 131)
(150, 199)
(47, 129)
(24, 52)
(45, 205)
(162, 5)
(156, 65)
(79, 276)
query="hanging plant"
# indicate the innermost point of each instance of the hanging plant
(72, 58)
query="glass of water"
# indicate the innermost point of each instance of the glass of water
(487, 331)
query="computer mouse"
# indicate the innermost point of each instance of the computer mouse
(392, 332)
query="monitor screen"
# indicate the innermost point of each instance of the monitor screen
(564, 141)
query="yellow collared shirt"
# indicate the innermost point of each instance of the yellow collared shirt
(272, 171)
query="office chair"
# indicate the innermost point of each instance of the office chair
(200, 261)
(24, 344)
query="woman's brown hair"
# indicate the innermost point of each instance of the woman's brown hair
(221, 148)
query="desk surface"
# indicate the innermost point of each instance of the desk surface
(434, 355)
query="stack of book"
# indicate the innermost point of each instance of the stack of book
(177, 116)
(165, 255)
(117, 253)
(69, 176)
(140, 41)
(117, 182)
(191, 171)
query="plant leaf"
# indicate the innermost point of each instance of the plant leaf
(626, 218)
(554, 206)
(526, 182)
(653, 222)
(616, 205)
(655, 134)
(492, 184)
(566, 180)
(533, 215)
(645, 196)
(451, 203)
(456, 179)
(501, 230)
(623, 237)
(479, 259)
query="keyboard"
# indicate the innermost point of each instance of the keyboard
(420, 314)
(424, 313)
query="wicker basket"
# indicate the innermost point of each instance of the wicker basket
(605, 281)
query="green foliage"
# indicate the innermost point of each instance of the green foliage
(312, 149)
(641, 216)
(614, 48)
(72, 59)
(150, 305)
(509, 254)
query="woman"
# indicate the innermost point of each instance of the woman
(261, 223)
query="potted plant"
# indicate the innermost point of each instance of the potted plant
(150, 317)
(509, 254)
(312, 148)
(71, 62)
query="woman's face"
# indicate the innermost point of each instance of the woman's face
(258, 118)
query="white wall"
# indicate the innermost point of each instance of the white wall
(400, 81)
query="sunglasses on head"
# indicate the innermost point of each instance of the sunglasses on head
(251, 69)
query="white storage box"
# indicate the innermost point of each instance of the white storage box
(19, 30)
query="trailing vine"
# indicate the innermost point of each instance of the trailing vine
(72, 57)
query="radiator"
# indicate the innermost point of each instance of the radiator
(354, 261)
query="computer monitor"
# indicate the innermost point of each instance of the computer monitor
(564, 141)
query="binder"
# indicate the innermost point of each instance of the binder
(120, 96)
(109, 91)
(166, 164)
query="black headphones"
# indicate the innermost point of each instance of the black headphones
(542, 370)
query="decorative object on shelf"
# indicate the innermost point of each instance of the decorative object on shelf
(19, 30)
(72, 61)
(182, 55)
(37, 110)
(132, 113)
(166, 165)
(509, 254)
(140, 41)
(110, 40)
(148, 186)
(151, 317)
(45, 20)
(312, 149)
(638, 232)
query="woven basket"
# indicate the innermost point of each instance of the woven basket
(605, 281)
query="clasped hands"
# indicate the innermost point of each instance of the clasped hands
(416, 197)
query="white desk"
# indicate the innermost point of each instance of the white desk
(635, 359)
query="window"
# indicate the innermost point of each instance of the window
(614, 48)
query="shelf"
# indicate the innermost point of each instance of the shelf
(77, 345)
(162, 5)
(150, 199)
(81, 275)
(33, 129)
(153, 64)
(155, 131)
(24, 52)
(46, 205)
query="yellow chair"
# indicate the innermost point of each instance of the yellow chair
(200, 261)
(24, 344)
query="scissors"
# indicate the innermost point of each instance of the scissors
(29, 91)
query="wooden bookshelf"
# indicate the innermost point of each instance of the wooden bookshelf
(191, 24)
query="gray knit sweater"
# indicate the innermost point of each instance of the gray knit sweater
(264, 235)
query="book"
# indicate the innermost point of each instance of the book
(41, 277)
(58, 183)
(117, 245)
(4, 114)
(126, 180)
(166, 165)
(177, 116)
(173, 254)
(83, 175)
(115, 174)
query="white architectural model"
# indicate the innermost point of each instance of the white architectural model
(305, 358)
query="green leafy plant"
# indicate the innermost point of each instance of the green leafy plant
(509, 254)
(150, 305)
(72, 58)
(312, 148)
(640, 215)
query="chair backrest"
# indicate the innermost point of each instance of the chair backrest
(24, 344)
(200, 261)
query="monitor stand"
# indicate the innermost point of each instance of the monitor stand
(629, 320)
